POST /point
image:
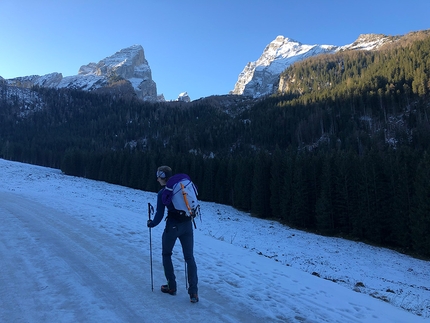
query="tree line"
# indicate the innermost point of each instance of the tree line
(378, 196)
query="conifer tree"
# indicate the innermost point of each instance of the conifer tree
(325, 212)
(420, 217)
(277, 172)
(260, 194)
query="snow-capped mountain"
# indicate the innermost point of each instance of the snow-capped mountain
(183, 97)
(369, 42)
(48, 80)
(127, 71)
(127, 65)
(261, 77)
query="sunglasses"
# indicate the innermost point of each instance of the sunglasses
(161, 174)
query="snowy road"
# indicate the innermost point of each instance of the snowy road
(74, 250)
(58, 266)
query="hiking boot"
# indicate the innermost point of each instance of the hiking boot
(167, 290)
(194, 298)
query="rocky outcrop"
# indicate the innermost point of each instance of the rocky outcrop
(48, 80)
(261, 77)
(183, 97)
(126, 66)
(368, 42)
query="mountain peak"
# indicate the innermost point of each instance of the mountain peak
(130, 56)
(261, 77)
(284, 40)
(183, 97)
(367, 42)
(127, 65)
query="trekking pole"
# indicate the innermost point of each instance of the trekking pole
(150, 210)
(186, 276)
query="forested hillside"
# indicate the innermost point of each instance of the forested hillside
(343, 149)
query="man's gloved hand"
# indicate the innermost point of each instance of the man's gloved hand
(149, 224)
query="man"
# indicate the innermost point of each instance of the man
(178, 225)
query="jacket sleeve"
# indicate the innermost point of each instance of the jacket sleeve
(159, 213)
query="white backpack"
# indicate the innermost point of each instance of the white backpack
(182, 192)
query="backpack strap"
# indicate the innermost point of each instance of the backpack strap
(168, 191)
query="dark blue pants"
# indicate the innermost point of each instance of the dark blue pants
(183, 231)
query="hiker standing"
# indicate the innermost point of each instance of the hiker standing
(178, 225)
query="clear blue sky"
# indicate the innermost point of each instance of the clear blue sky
(195, 46)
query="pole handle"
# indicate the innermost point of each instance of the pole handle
(150, 210)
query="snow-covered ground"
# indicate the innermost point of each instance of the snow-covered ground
(76, 250)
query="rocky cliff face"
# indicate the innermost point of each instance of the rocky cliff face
(126, 70)
(183, 97)
(261, 77)
(129, 64)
